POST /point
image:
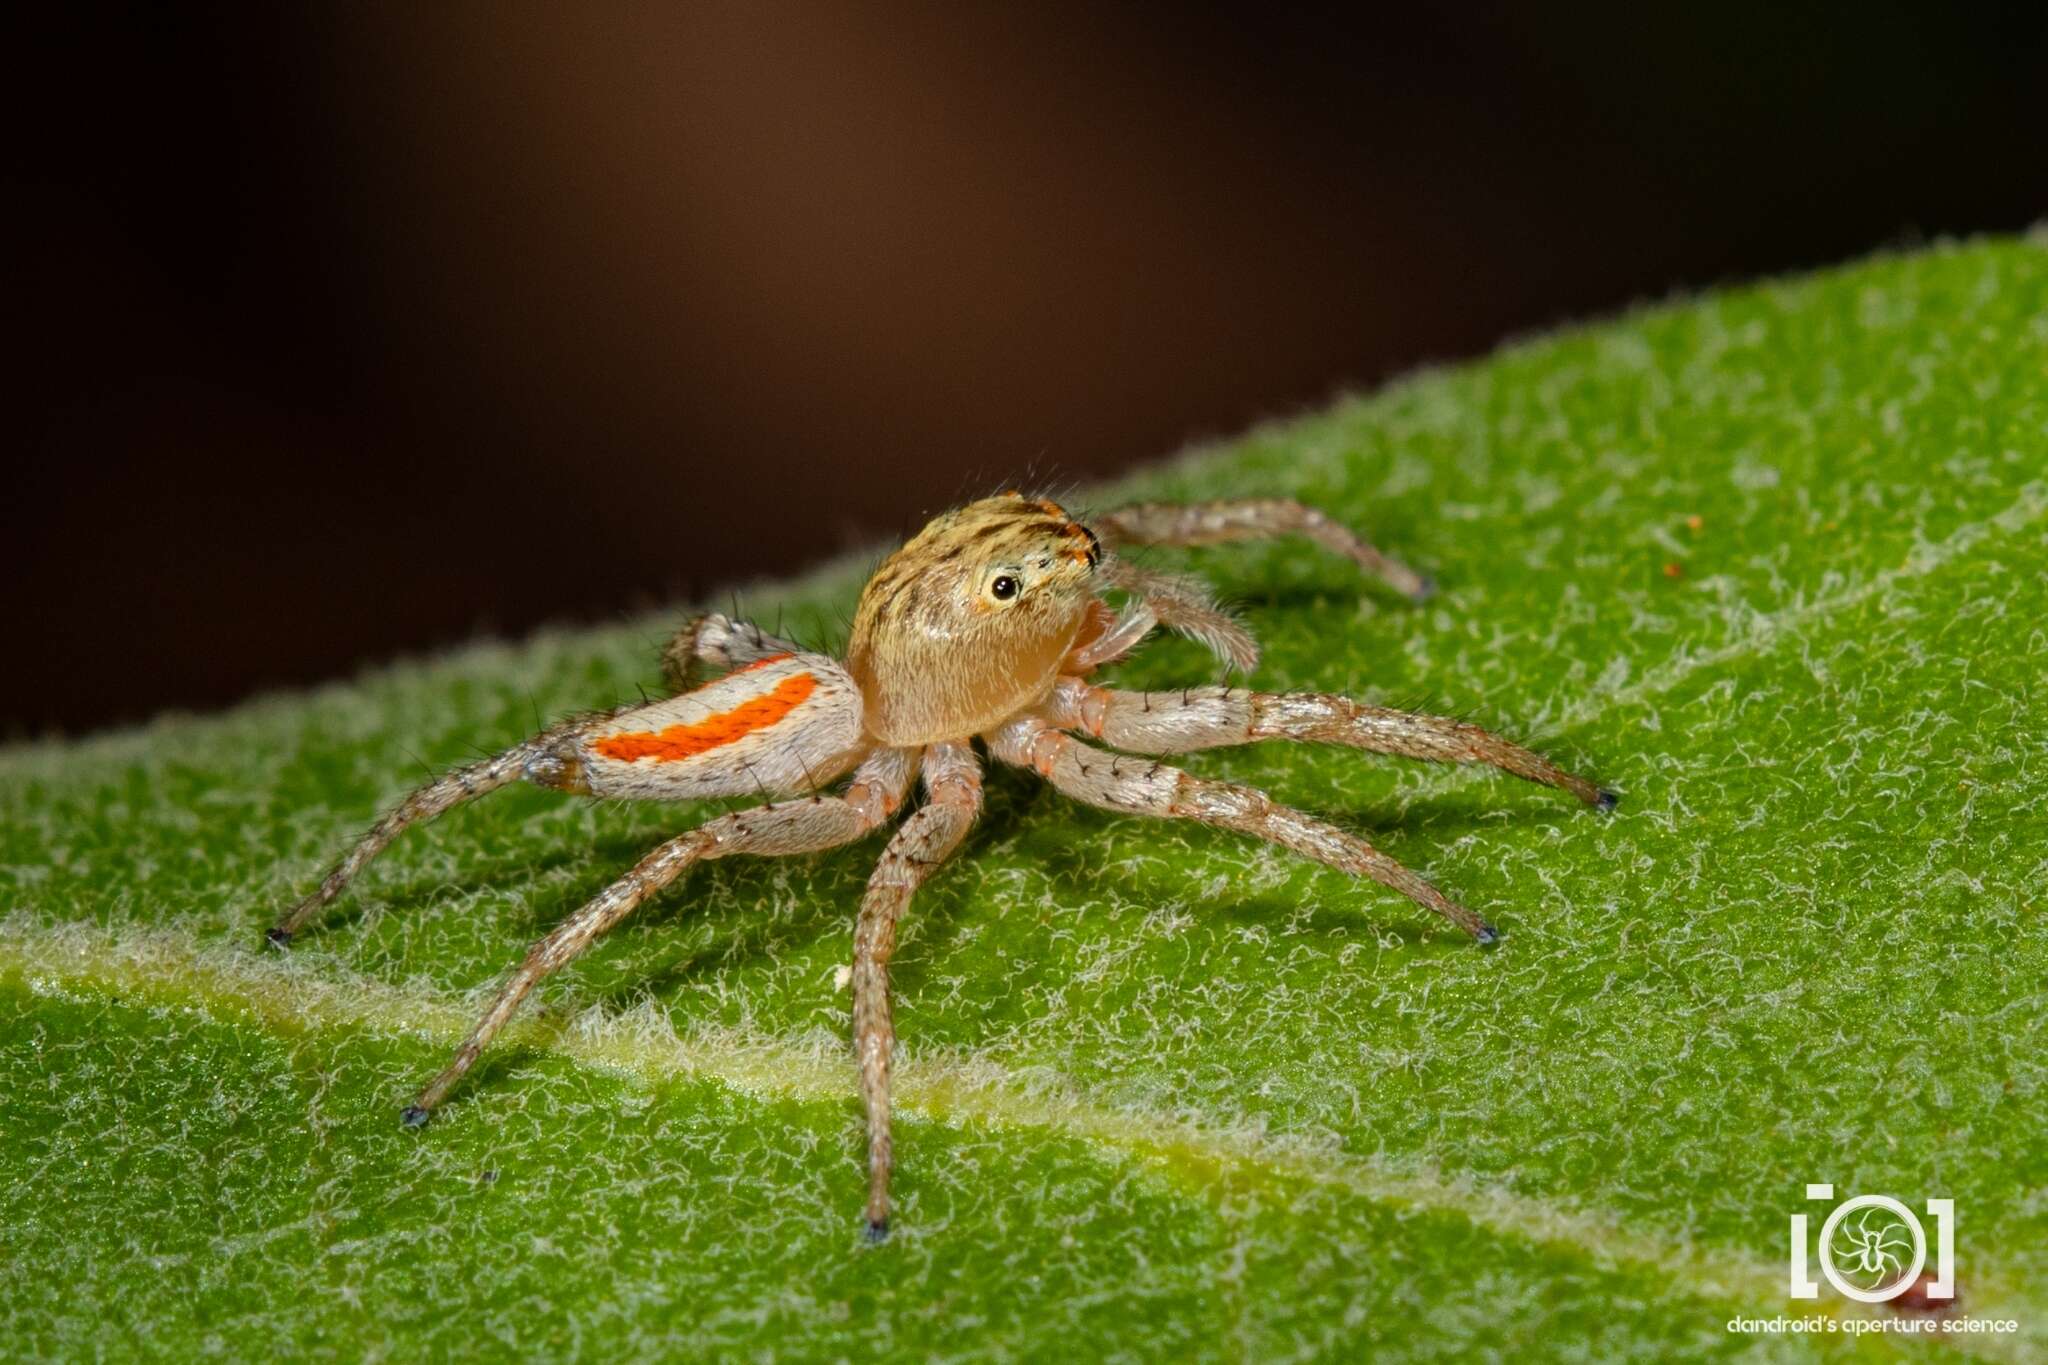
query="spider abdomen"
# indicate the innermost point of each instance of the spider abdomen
(782, 724)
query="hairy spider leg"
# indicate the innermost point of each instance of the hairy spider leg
(1180, 604)
(1213, 523)
(783, 723)
(1142, 787)
(952, 783)
(442, 794)
(1214, 717)
(805, 825)
(715, 643)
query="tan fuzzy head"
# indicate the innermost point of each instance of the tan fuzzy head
(967, 623)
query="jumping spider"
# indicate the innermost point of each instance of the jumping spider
(987, 623)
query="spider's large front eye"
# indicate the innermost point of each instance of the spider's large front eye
(1003, 588)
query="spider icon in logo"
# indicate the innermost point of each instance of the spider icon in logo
(1868, 1253)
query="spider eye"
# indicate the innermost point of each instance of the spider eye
(1003, 588)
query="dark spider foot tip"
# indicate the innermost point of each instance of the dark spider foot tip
(414, 1116)
(279, 938)
(1424, 590)
(875, 1232)
(1486, 935)
(1607, 801)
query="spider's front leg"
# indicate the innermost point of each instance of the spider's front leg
(1214, 523)
(1216, 717)
(803, 825)
(1144, 787)
(952, 780)
(1180, 604)
(1185, 604)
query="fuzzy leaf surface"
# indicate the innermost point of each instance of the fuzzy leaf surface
(1772, 562)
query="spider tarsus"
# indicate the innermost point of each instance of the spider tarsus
(414, 1116)
(1485, 935)
(278, 937)
(1425, 588)
(1607, 800)
(875, 1231)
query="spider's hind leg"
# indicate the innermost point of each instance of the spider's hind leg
(539, 760)
(715, 643)
(786, 725)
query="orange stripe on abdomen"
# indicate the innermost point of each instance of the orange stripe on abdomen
(678, 742)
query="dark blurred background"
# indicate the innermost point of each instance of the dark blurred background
(343, 331)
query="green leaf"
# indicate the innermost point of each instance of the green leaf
(1771, 562)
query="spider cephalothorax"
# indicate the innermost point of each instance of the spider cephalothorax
(987, 626)
(969, 621)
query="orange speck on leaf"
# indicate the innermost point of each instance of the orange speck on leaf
(1695, 522)
(1674, 569)
(679, 742)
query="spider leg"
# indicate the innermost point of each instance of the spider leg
(804, 825)
(1213, 523)
(952, 780)
(442, 794)
(781, 725)
(1117, 782)
(1212, 717)
(716, 643)
(1183, 605)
